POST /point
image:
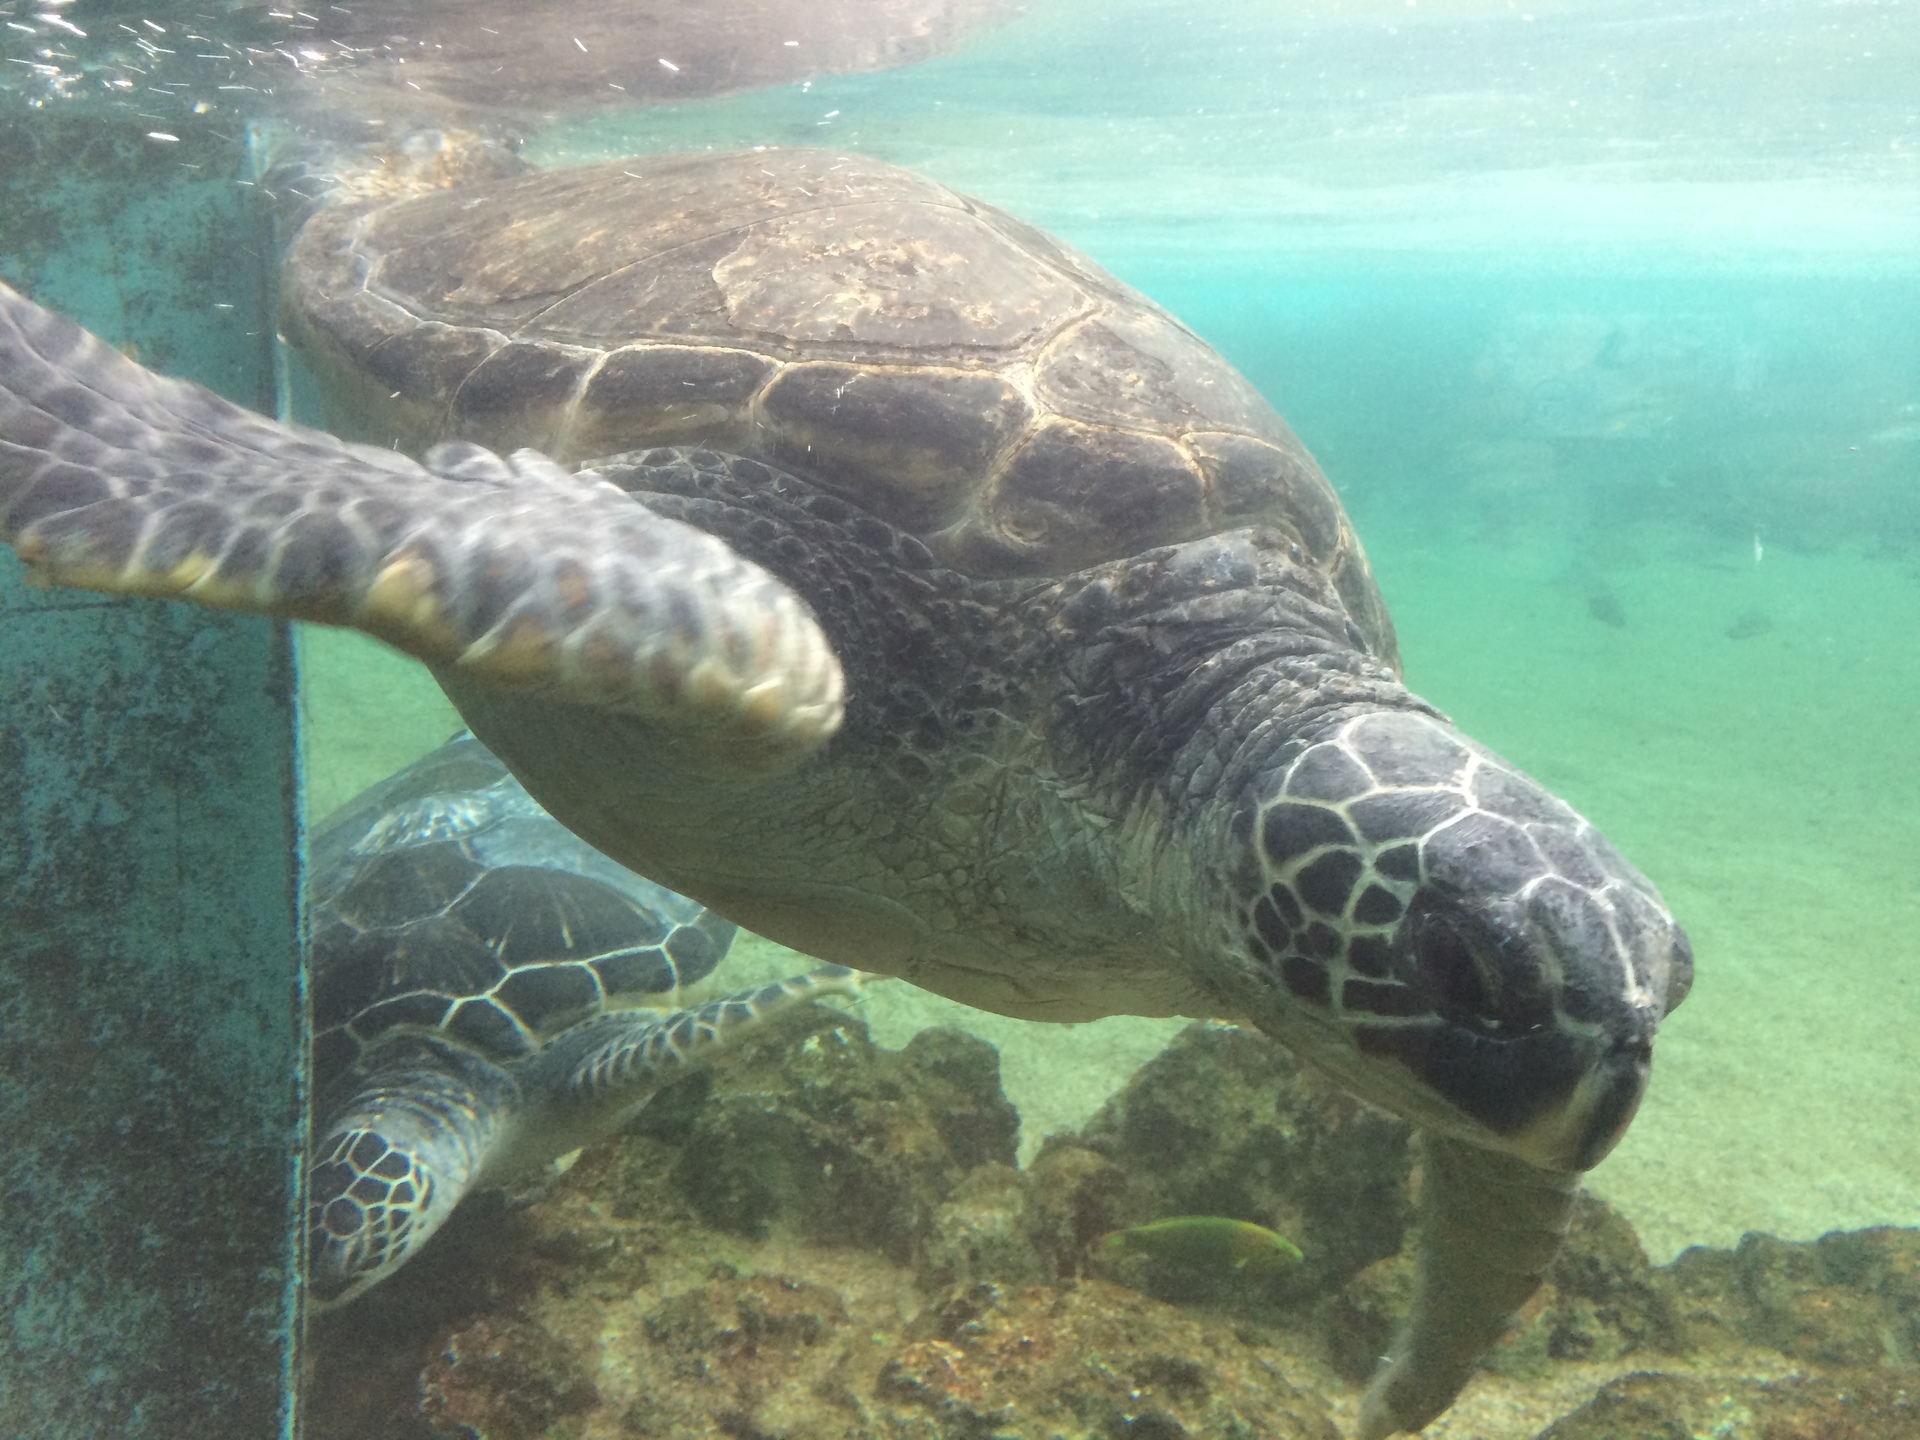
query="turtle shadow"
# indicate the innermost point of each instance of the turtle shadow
(1749, 624)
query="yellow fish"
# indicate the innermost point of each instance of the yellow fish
(1204, 1242)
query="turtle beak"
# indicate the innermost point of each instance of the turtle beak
(1579, 1133)
(1603, 1102)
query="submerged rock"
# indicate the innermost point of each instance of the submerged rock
(1870, 1405)
(989, 1232)
(506, 1378)
(1088, 1359)
(826, 1240)
(842, 1141)
(1851, 1298)
(1225, 1122)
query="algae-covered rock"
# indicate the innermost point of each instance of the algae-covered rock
(1860, 1405)
(1603, 1299)
(1092, 1360)
(985, 1233)
(828, 1241)
(1225, 1122)
(1847, 1299)
(779, 1358)
(844, 1142)
(1360, 1319)
(1076, 1196)
(506, 1379)
(743, 1355)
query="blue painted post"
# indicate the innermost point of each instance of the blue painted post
(151, 1021)
(152, 1004)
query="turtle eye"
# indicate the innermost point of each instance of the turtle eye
(1458, 986)
(1466, 976)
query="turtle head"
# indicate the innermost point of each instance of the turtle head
(371, 1203)
(1453, 941)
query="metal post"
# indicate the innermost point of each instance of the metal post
(152, 1004)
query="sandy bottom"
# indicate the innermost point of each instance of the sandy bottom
(1769, 783)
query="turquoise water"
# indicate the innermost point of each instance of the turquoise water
(1600, 316)
(1658, 539)
(1604, 318)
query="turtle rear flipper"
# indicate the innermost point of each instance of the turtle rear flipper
(589, 1080)
(505, 572)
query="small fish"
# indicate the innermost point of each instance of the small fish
(1208, 1241)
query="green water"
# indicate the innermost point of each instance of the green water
(1744, 723)
(1658, 540)
(1605, 320)
(1625, 403)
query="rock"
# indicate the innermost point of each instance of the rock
(505, 1380)
(828, 1241)
(985, 1233)
(1856, 1406)
(1076, 1196)
(1359, 1321)
(1225, 1122)
(778, 1358)
(766, 1355)
(844, 1142)
(1093, 1360)
(1850, 1298)
(1604, 1301)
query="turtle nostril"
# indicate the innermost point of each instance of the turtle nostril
(1680, 970)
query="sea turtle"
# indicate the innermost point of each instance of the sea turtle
(970, 621)
(477, 978)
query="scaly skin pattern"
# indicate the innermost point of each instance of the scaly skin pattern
(1177, 783)
(425, 1122)
(409, 1140)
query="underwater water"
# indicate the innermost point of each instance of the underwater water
(1603, 317)
(1601, 320)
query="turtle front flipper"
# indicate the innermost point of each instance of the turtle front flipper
(1489, 1226)
(509, 574)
